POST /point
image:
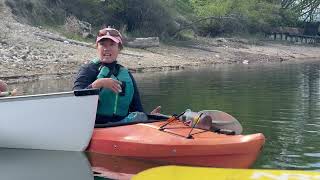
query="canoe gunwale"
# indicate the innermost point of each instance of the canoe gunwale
(86, 92)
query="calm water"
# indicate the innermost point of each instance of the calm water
(280, 100)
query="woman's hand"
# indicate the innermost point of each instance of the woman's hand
(108, 83)
(14, 92)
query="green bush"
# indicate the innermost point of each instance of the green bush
(140, 17)
(37, 12)
(253, 16)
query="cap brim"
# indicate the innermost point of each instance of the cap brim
(115, 39)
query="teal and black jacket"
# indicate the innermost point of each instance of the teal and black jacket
(129, 102)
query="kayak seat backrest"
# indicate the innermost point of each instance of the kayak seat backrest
(205, 123)
(222, 120)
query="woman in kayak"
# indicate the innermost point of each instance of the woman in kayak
(119, 94)
(4, 90)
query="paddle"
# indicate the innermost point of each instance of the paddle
(190, 173)
(222, 122)
(152, 118)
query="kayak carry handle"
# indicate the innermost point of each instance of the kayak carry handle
(225, 131)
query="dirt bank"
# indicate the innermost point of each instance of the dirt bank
(24, 55)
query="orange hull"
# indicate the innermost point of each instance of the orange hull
(146, 141)
(116, 167)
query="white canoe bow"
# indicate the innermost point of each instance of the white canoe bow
(55, 121)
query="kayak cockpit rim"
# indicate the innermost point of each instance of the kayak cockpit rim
(82, 92)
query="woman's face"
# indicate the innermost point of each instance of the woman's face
(108, 50)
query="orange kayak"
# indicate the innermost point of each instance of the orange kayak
(171, 145)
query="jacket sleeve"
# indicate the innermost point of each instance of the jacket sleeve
(86, 75)
(136, 101)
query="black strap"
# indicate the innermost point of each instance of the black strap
(116, 70)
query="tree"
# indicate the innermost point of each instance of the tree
(306, 9)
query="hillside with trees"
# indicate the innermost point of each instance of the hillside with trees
(171, 18)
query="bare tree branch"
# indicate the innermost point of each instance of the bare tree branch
(203, 19)
(306, 8)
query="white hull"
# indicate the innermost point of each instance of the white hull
(59, 121)
(18, 164)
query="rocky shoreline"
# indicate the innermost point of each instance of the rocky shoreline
(26, 56)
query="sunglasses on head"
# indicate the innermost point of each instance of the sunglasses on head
(110, 31)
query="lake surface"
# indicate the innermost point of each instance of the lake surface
(280, 100)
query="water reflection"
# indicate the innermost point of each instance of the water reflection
(17, 164)
(280, 100)
(114, 167)
(43, 86)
